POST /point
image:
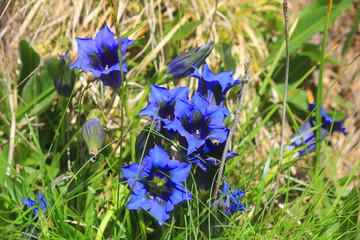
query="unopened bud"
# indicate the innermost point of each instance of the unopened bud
(64, 78)
(93, 135)
(182, 65)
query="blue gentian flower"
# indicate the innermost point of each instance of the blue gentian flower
(93, 135)
(184, 64)
(214, 87)
(309, 135)
(64, 78)
(232, 199)
(162, 103)
(208, 162)
(157, 184)
(100, 56)
(199, 121)
(40, 201)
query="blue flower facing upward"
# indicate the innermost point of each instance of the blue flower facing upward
(199, 121)
(40, 201)
(100, 56)
(184, 64)
(214, 87)
(162, 103)
(308, 135)
(157, 184)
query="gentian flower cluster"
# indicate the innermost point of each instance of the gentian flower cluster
(100, 57)
(308, 136)
(197, 124)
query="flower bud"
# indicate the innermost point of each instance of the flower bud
(182, 65)
(93, 135)
(64, 78)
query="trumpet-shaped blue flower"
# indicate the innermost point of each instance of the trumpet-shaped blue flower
(157, 184)
(184, 64)
(199, 121)
(214, 87)
(40, 201)
(100, 56)
(308, 135)
(162, 103)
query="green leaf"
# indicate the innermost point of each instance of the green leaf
(39, 84)
(314, 53)
(225, 52)
(30, 59)
(338, 115)
(311, 21)
(349, 217)
(15, 189)
(299, 66)
(185, 30)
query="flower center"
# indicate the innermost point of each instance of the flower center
(158, 185)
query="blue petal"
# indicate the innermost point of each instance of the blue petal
(159, 157)
(139, 200)
(159, 212)
(158, 94)
(183, 108)
(150, 110)
(105, 36)
(219, 134)
(180, 173)
(28, 202)
(169, 206)
(180, 194)
(193, 143)
(131, 171)
(125, 43)
(200, 103)
(42, 201)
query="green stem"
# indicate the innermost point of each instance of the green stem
(319, 91)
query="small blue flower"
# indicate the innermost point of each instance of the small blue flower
(40, 201)
(232, 199)
(309, 135)
(64, 78)
(214, 87)
(100, 56)
(93, 135)
(199, 121)
(157, 184)
(184, 64)
(208, 162)
(162, 103)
